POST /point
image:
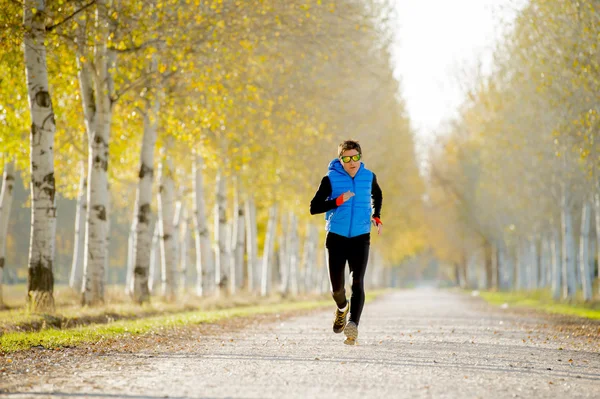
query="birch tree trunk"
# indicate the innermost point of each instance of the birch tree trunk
(597, 217)
(6, 197)
(502, 265)
(251, 244)
(166, 214)
(98, 192)
(131, 252)
(155, 278)
(568, 249)
(40, 285)
(177, 222)
(205, 266)
(494, 267)
(76, 276)
(584, 266)
(292, 246)
(237, 239)
(543, 261)
(534, 274)
(265, 287)
(220, 215)
(184, 239)
(556, 254)
(142, 240)
(284, 266)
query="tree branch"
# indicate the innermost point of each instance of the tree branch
(51, 28)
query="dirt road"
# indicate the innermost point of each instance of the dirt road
(412, 344)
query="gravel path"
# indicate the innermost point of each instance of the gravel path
(412, 344)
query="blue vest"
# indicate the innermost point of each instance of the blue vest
(353, 217)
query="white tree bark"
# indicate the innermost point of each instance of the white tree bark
(309, 258)
(251, 244)
(131, 252)
(556, 253)
(545, 262)
(155, 278)
(168, 242)
(6, 198)
(584, 257)
(177, 222)
(142, 239)
(569, 283)
(184, 239)
(221, 236)
(266, 283)
(237, 239)
(43, 202)
(533, 264)
(98, 191)
(292, 248)
(284, 267)
(324, 271)
(504, 266)
(597, 217)
(76, 276)
(205, 266)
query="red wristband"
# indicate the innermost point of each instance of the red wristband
(377, 220)
(339, 200)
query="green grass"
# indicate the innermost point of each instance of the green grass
(53, 338)
(542, 300)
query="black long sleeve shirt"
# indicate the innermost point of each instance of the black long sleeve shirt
(320, 203)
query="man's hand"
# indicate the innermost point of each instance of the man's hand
(377, 222)
(344, 197)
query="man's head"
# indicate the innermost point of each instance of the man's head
(350, 154)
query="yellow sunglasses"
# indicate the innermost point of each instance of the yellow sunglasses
(348, 158)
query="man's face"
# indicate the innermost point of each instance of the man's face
(351, 167)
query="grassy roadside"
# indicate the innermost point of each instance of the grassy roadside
(542, 301)
(54, 338)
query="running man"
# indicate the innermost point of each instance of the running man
(351, 199)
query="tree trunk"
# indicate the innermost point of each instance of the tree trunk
(205, 266)
(76, 276)
(168, 242)
(265, 287)
(98, 191)
(43, 202)
(177, 222)
(284, 266)
(568, 249)
(556, 253)
(142, 240)
(251, 244)
(489, 265)
(292, 246)
(544, 261)
(220, 214)
(131, 252)
(584, 257)
(534, 274)
(155, 278)
(597, 217)
(184, 239)
(6, 197)
(237, 239)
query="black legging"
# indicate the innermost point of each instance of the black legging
(355, 250)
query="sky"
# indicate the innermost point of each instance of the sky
(436, 41)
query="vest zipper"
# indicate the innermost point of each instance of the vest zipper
(352, 208)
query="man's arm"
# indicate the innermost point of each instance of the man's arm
(320, 203)
(377, 197)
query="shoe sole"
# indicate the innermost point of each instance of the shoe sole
(351, 332)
